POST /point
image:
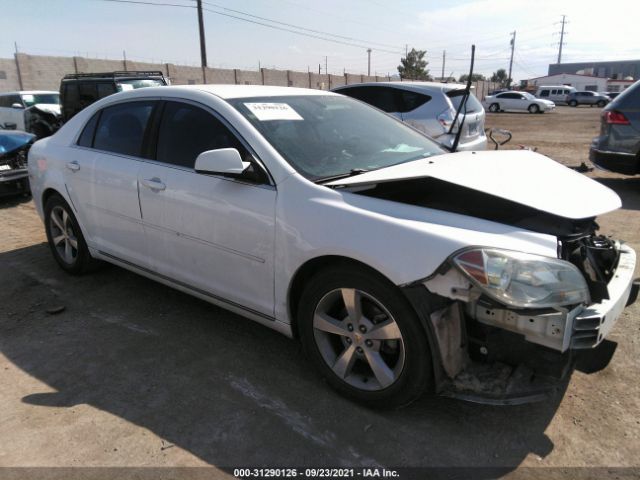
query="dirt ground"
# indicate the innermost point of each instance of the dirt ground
(134, 374)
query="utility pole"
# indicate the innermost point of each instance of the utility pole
(15, 56)
(203, 48)
(444, 55)
(326, 72)
(561, 39)
(406, 50)
(513, 46)
(368, 62)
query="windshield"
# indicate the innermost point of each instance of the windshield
(472, 106)
(323, 136)
(123, 85)
(31, 99)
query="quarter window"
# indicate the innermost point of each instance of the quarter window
(186, 131)
(121, 128)
(86, 138)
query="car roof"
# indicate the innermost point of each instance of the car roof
(28, 92)
(414, 86)
(245, 91)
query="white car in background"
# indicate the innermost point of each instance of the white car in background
(517, 101)
(401, 268)
(429, 107)
(36, 112)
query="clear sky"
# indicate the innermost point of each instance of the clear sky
(103, 29)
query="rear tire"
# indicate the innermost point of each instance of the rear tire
(364, 338)
(494, 108)
(533, 108)
(65, 238)
(573, 103)
(601, 103)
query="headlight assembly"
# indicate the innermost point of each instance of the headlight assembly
(523, 280)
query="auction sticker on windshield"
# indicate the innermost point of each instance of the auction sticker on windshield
(273, 111)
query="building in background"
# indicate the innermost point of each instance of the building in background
(615, 69)
(578, 81)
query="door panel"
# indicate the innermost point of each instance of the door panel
(211, 233)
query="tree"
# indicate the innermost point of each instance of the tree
(500, 76)
(413, 66)
(476, 77)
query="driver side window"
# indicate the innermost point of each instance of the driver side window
(186, 131)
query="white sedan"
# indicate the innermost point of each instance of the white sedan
(400, 268)
(517, 101)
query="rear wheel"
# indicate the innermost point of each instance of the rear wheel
(601, 103)
(533, 108)
(573, 103)
(65, 237)
(494, 107)
(364, 337)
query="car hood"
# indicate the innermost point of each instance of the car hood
(52, 108)
(523, 177)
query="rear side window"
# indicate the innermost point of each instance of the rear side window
(86, 137)
(121, 128)
(412, 100)
(545, 93)
(385, 98)
(472, 106)
(186, 131)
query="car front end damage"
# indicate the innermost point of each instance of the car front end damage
(14, 147)
(503, 350)
(43, 119)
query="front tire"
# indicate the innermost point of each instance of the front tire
(65, 238)
(533, 108)
(364, 338)
(573, 103)
(601, 103)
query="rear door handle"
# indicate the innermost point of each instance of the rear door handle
(153, 184)
(73, 166)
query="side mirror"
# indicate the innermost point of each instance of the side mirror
(17, 105)
(225, 161)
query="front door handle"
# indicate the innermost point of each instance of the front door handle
(154, 184)
(73, 166)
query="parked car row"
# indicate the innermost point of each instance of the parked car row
(401, 267)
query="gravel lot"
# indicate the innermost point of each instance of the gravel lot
(132, 373)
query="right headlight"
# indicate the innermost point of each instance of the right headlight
(523, 280)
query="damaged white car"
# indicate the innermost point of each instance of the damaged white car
(36, 112)
(400, 267)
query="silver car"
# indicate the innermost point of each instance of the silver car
(427, 106)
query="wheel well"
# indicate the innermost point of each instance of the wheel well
(46, 195)
(308, 270)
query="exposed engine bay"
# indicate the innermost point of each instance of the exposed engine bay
(14, 147)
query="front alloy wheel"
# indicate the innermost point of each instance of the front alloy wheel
(364, 337)
(63, 237)
(358, 339)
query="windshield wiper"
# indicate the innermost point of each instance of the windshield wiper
(351, 173)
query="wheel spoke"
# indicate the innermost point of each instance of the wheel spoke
(387, 330)
(344, 362)
(324, 322)
(57, 220)
(380, 369)
(74, 242)
(58, 239)
(353, 303)
(65, 218)
(68, 252)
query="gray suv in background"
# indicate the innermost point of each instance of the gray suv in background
(617, 148)
(428, 107)
(587, 98)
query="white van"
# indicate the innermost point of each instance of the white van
(555, 93)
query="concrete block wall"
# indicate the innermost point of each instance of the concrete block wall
(248, 77)
(8, 75)
(221, 75)
(275, 77)
(43, 73)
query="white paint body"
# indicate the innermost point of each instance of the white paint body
(518, 102)
(239, 245)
